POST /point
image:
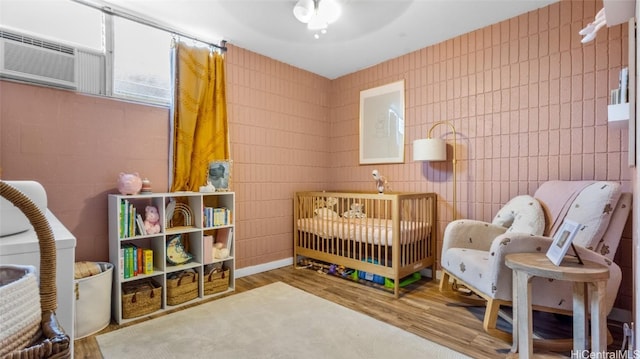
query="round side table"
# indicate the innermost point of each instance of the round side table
(589, 283)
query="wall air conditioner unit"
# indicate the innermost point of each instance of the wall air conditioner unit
(28, 58)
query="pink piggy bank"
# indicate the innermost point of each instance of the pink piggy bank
(129, 183)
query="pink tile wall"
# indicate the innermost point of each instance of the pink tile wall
(528, 101)
(279, 127)
(76, 146)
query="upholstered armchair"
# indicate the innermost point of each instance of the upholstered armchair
(473, 251)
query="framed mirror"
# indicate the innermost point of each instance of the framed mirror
(382, 124)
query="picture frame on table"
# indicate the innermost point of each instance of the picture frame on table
(219, 175)
(562, 241)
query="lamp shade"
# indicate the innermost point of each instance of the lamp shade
(429, 149)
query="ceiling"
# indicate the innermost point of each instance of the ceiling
(367, 33)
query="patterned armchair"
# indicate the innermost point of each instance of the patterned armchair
(473, 252)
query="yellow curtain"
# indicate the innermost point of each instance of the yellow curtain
(200, 133)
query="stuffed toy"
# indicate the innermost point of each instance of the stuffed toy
(324, 208)
(152, 220)
(356, 211)
(219, 251)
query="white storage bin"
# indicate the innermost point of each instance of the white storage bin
(93, 302)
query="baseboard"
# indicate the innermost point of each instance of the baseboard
(243, 272)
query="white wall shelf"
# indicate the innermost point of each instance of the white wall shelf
(618, 115)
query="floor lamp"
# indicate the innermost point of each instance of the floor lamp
(435, 149)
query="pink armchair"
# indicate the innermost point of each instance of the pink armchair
(473, 252)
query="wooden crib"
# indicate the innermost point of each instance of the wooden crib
(391, 235)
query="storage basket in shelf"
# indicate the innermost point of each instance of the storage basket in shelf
(216, 281)
(53, 342)
(183, 288)
(140, 297)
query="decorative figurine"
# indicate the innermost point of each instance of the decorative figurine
(146, 186)
(129, 183)
(208, 188)
(381, 181)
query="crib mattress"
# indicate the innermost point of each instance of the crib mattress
(369, 230)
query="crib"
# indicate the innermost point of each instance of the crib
(391, 235)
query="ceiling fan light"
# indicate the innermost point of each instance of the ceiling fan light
(304, 10)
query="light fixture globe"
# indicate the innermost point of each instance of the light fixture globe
(328, 10)
(317, 14)
(317, 23)
(304, 10)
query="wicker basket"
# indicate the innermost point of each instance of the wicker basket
(140, 298)
(216, 281)
(53, 343)
(20, 307)
(183, 288)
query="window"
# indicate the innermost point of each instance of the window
(50, 20)
(142, 62)
(140, 66)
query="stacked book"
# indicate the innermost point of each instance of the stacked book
(214, 217)
(131, 222)
(620, 95)
(135, 261)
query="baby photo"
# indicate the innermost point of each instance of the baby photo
(218, 175)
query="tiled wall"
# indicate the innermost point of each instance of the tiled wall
(76, 146)
(529, 103)
(528, 100)
(279, 144)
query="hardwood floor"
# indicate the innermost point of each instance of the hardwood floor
(421, 309)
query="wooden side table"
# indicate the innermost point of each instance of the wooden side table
(589, 283)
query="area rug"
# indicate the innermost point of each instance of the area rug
(273, 321)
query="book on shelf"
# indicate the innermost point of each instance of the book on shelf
(624, 85)
(139, 260)
(125, 221)
(121, 219)
(132, 261)
(207, 244)
(148, 261)
(125, 212)
(135, 261)
(122, 261)
(621, 94)
(140, 225)
(131, 223)
(214, 217)
(126, 263)
(135, 270)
